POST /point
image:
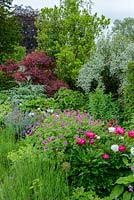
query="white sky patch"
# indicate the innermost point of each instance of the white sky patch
(114, 9)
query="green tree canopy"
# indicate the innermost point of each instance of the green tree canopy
(9, 29)
(5, 3)
(124, 27)
(67, 33)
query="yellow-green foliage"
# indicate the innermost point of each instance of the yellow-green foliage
(23, 153)
(67, 33)
(5, 108)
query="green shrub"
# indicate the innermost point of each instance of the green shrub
(131, 125)
(69, 99)
(16, 55)
(5, 108)
(101, 106)
(129, 94)
(6, 82)
(123, 188)
(83, 164)
(107, 66)
(39, 103)
(3, 97)
(80, 194)
(25, 91)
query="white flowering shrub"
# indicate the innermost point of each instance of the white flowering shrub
(108, 64)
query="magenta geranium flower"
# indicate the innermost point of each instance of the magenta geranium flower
(131, 134)
(90, 135)
(121, 148)
(91, 141)
(119, 130)
(80, 141)
(105, 156)
(44, 142)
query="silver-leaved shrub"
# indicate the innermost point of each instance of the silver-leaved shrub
(108, 64)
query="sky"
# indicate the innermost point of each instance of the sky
(114, 9)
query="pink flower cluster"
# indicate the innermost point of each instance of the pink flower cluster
(121, 148)
(90, 136)
(80, 141)
(119, 130)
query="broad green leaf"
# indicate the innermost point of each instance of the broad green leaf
(127, 196)
(125, 160)
(125, 180)
(117, 191)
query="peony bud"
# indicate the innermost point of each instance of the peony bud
(131, 134)
(121, 148)
(105, 156)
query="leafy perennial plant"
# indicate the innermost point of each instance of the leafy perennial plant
(89, 153)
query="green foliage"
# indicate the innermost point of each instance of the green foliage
(131, 124)
(67, 65)
(32, 176)
(6, 82)
(124, 27)
(83, 164)
(107, 66)
(80, 194)
(5, 3)
(101, 106)
(17, 54)
(25, 91)
(39, 103)
(20, 121)
(9, 31)
(5, 108)
(69, 99)
(3, 98)
(67, 33)
(121, 189)
(129, 94)
(116, 192)
(7, 144)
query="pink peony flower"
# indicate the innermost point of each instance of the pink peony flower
(131, 134)
(80, 141)
(119, 130)
(90, 135)
(105, 156)
(121, 148)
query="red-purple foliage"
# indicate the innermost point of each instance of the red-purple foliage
(9, 68)
(55, 85)
(37, 67)
(39, 59)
